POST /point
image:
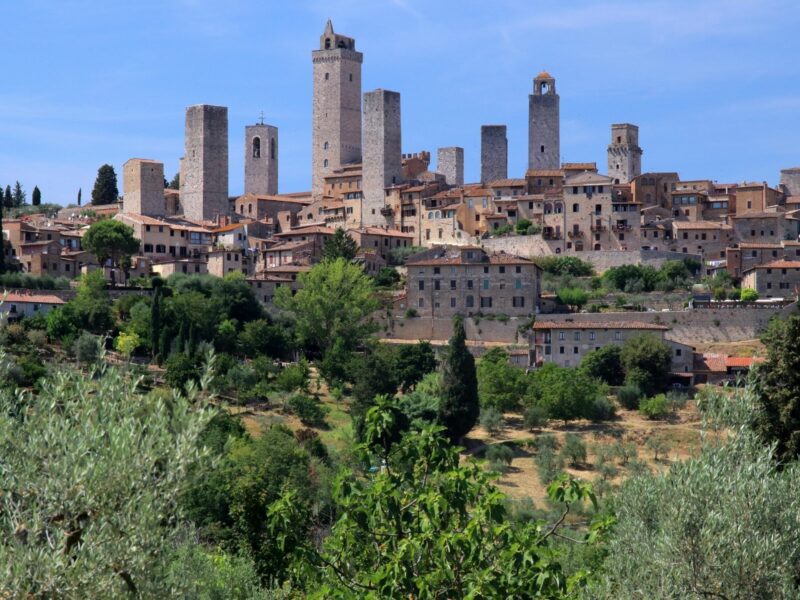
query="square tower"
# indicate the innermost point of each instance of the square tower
(494, 153)
(544, 138)
(204, 167)
(336, 112)
(261, 160)
(143, 187)
(624, 153)
(382, 164)
(450, 163)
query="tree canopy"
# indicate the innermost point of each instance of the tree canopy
(647, 362)
(459, 408)
(339, 245)
(111, 240)
(105, 189)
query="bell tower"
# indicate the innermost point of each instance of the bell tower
(544, 143)
(624, 153)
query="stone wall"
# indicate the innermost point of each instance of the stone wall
(478, 330)
(494, 153)
(450, 163)
(143, 187)
(204, 167)
(261, 160)
(382, 164)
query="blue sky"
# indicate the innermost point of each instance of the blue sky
(714, 85)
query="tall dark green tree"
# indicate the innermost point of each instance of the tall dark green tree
(459, 409)
(18, 196)
(8, 199)
(175, 184)
(340, 245)
(80, 193)
(155, 323)
(777, 382)
(36, 196)
(2, 243)
(105, 186)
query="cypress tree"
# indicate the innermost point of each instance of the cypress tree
(80, 193)
(36, 196)
(18, 195)
(105, 186)
(155, 323)
(164, 345)
(8, 200)
(2, 243)
(459, 408)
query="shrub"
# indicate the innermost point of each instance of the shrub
(602, 409)
(522, 226)
(676, 400)
(29, 370)
(748, 295)
(735, 294)
(625, 451)
(180, 370)
(500, 457)
(492, 420)
(549, 464)
(655, 408)
(411, 313)
(548, 440)
(658, 445)
(608, 470)
(308, 409)
(37, 338)
(292, 378)
(534, 417)
(720, 294)
(87, 348)
(15, 334)
(629, 397)
(574, 449)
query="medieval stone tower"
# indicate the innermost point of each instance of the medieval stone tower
(544, 138)
(336, 119)
(624, 153)
(143, 187)
(450, 163)
(382, 164)
(494, 153)
(790, 181)
(261, 160)
(204, 167)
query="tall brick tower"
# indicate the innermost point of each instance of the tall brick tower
(624, 153)
(143, 187)
(544, 140)
(261, 159)
(336, 119)
(382, 164)
(204, 167)
(450, 163)
(494, 153)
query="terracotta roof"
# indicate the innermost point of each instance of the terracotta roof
(747, 245)
(544, 173)
(231, 227)
(453, 257)
(290, 198)
(382, 231)
(777, 264)
(289, 269)
(714, 363)
(743, 361)
(270, 278)
(544, 75)
(38, 298)
(143, 219)
(290, 245)
(583, 166)
(507, 183)
(307, 229)
(759, 214)
(598, 325)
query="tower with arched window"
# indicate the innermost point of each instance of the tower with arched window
(261, 159)
(336, 111)
(624, 153)
(544, 138)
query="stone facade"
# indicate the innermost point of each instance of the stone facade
(336, 118)
(544, 140)
(450, 163)
(143, 187)
(261, 160)
(466, 280)
(624, 153)
(777, 279)
(494, 153)
(204, 167)
(790, 181)
(381, 167)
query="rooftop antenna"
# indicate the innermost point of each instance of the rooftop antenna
(262, 117)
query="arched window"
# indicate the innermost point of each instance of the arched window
(327, 43)
(256, 147)
(544, 88)
(249, 209)
(327, 75)
(548, 208)
(575, 208)
(273, 151)
(558, 250)
(559, 208)
(541, 149)
(325, 163)
(325, 146)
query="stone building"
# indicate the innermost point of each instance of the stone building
(450, 163)
(765, 226)
(777, 279)
(336, 113)
(544, 138)
(624, 153)
(445, 281)
(261, 160)
(204, 167)
(143, 187)
(381, 166)
(565, 343)
(494, 153)
(654, 189)
(790, 181)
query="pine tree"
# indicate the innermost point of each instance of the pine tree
(175, 184)
(18, 195)
(36, 196)
(105, 186)
(8, 200)
(459, 408)
(339, 245)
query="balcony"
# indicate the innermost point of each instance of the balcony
(387, 211)
(598, 227)
(622, 227)
(551, 235)
(575, 233)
